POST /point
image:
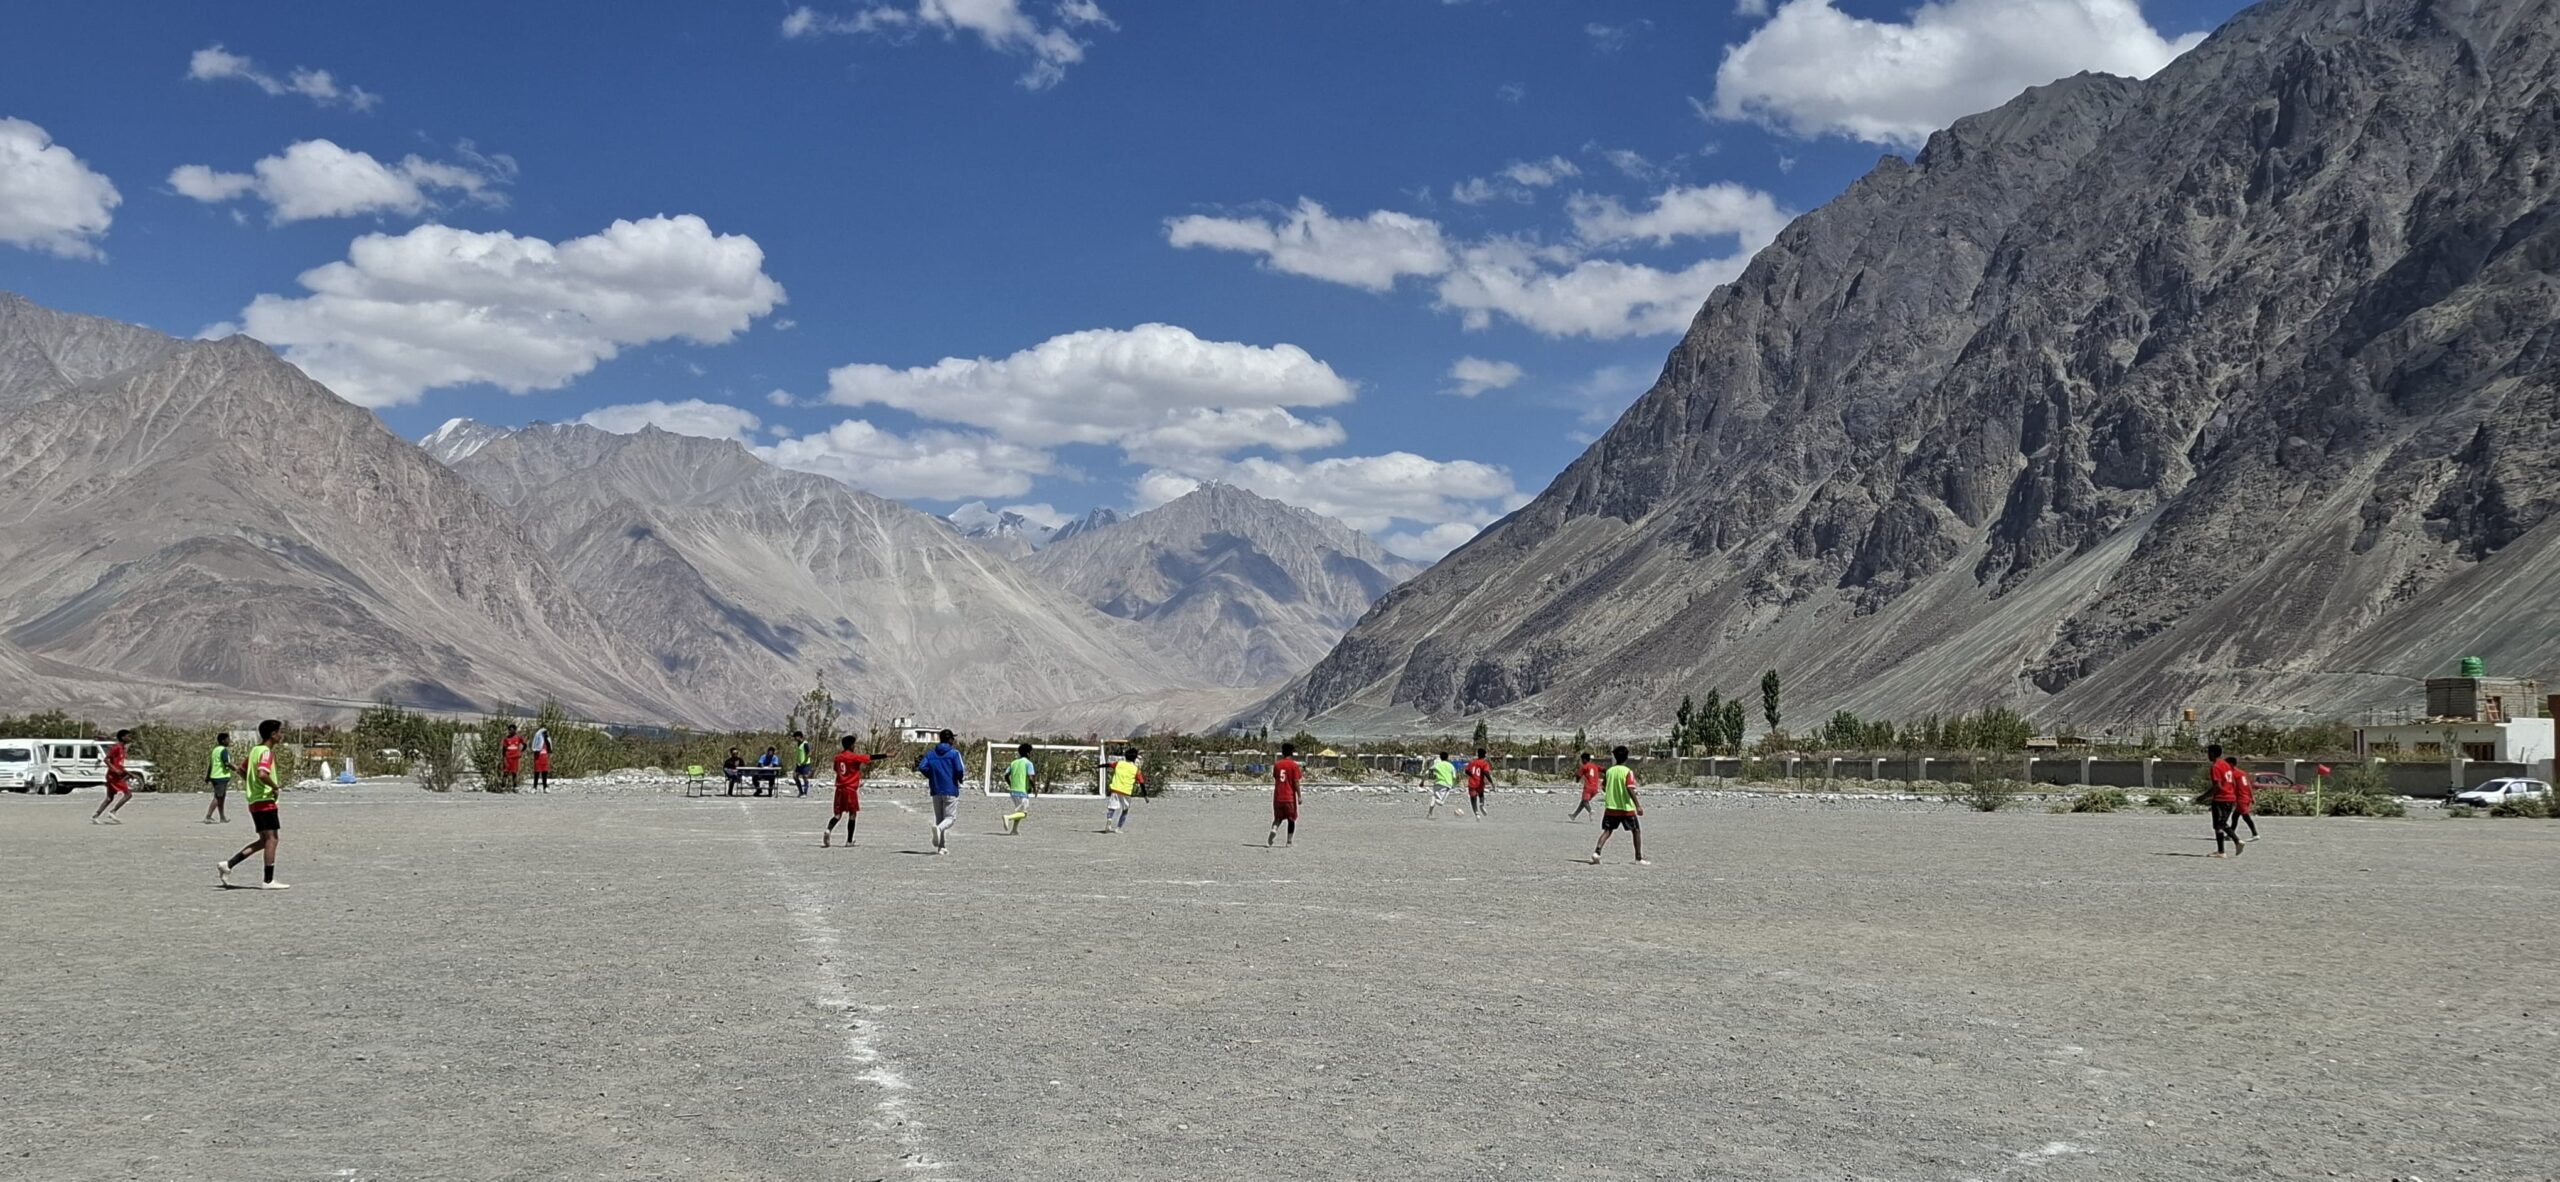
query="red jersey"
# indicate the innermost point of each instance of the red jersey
(115, 766)
(1590, 780)
(849, 767)
(514, 749)
(2227, 782)
(1479, 774)
(1284, 781)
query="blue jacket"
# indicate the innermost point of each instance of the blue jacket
(943, 769)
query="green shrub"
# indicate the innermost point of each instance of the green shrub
(1989, 796)
(2101, 800)
(2282, 803)
(2533, 807)
(2461, 811)
(2172, 803)
(2364, 792)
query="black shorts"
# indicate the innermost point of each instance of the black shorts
(267, 820)
(219, 787)
(1626, 821)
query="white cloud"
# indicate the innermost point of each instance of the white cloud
(1599, 298)
(1152, 388)
(49, 199)
(1518, 181)
(1599, 399)
(437, 306)
(1511, 92)
(1432, 544)
(319, 179)
(1370, 252)
(214, 63)
(1552, 288)
(693, 416)
(1702, 211)
(1368, 493)
(1751, 8)
(979, 513)
(932, 465)
(1002, 25)
(1470, 376)
(1813, 70)
(1612, 38)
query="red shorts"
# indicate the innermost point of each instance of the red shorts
(119, 782)
(542, 762)
(1284, 810)
(513, 762)
(848, 800)
(1590, 793)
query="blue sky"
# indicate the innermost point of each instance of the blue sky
(1395, 260)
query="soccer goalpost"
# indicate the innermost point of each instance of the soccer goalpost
(1064, 769)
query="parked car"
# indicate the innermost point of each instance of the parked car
(2498, 791)
(2275, 782)
(60, 765)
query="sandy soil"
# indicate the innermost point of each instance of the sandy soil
(637, 985)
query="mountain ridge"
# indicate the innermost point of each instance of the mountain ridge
(2230, 388)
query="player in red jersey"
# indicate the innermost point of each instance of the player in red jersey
(2228, 781)
(511, 755)
(1479, 779)
(849, 768)
(119, 783)
(1591, 773)
(1284, 794)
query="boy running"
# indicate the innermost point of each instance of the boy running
(1284, 794)
(1619, 808)
(1440, 776)
(261, 794)
(801, 767)
(1017, 783)
(119, 784)
(849, 766)
(943, 770)
(1591, 774)
(1125, 779)
(217, 779)
(1479, 778)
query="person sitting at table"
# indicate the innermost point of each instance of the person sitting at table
(733, 767)
(768, 770)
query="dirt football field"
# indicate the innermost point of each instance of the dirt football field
(631, 984)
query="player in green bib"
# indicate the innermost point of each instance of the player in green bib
(1619, 808)
(217, 778)
(1441, 777)
(1017, 781)
(263, 814)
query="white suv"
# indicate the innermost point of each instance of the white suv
(2497, 791)
(60, 765)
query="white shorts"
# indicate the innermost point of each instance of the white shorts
(1439, 795)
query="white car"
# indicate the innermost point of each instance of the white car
(2498, 791)
(60, 765)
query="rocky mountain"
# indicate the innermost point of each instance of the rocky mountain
(193, 522)
(746, 582)
(1001, 530)
(458, 438)
(1098, 518)
(2237, 388)
(1254, 589)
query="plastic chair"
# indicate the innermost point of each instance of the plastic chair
(695, 782)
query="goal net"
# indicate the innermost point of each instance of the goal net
(1062, 770)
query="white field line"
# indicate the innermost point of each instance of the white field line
(892, 1116)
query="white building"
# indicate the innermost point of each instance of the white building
(910, 732)
(2521, 740)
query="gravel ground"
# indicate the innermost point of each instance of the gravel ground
(613, 982)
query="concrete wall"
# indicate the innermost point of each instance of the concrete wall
(2430, 778)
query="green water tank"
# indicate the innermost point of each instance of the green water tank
(2474, 667)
